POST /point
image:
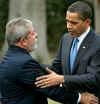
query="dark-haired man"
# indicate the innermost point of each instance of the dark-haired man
(77, 62)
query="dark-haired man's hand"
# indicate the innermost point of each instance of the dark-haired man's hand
(87, 98)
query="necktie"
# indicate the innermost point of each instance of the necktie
(73, 53)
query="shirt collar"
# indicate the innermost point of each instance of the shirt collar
(83, 35)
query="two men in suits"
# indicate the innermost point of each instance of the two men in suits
(18, 70)
(78, 68)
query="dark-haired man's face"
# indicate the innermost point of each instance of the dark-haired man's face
(75, 25)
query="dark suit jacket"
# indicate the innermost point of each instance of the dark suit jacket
(86, 70)
(18, 72)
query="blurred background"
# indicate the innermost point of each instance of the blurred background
(48, 17)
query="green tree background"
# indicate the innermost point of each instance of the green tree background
(3, 19)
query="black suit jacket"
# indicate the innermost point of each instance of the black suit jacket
(86, 70)
(18, 72)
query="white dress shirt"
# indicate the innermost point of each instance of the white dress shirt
(81, 38)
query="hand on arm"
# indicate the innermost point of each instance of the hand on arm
(52, 79)
(87, 98)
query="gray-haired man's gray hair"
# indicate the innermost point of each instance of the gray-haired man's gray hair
(17, 28)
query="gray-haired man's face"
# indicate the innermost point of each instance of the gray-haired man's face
(32, 39)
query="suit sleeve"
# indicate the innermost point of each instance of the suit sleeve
(31, 70)
(59, 94)
(56, 65)
(88, 80)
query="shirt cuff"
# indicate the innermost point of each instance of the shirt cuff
(61, 85)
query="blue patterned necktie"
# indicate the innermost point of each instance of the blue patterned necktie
(73, 53)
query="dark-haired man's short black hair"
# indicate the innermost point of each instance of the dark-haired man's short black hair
(82, 8)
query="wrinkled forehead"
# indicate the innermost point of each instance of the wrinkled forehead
(72, 15)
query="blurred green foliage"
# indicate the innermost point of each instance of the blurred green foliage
(3, 19)
(56, 11)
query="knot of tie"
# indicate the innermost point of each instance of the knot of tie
(73, 52)
(75, 42)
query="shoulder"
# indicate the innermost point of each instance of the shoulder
(94, 40)
(65, 37)
(28, 62)
(22, 58)
(16, 58)
(96, 37)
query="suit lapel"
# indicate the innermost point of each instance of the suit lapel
(83, 49)
(66, 54)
